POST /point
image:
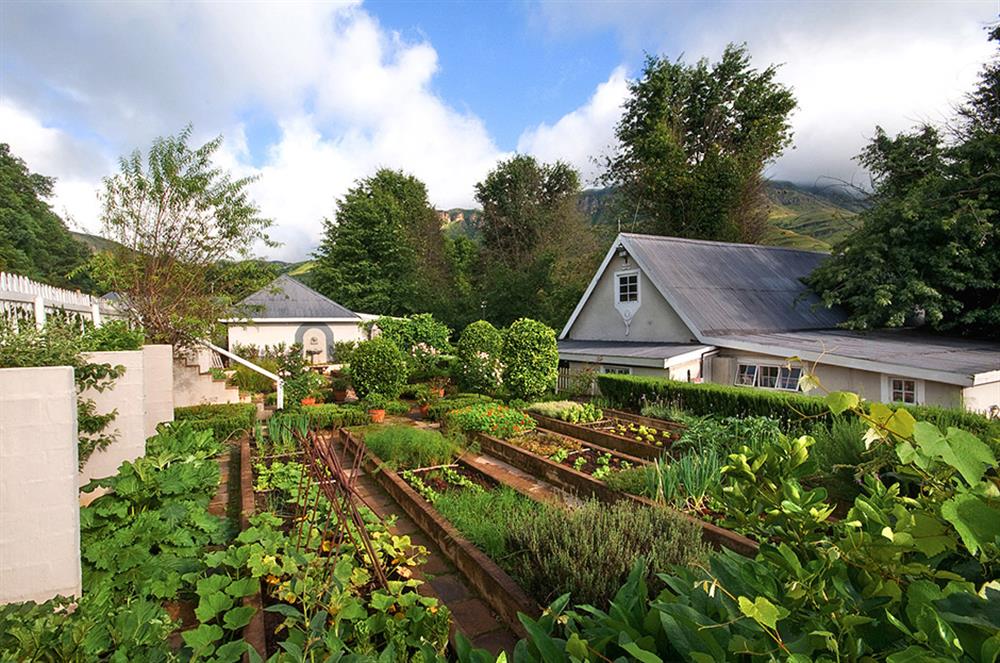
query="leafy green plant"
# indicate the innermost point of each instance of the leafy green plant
(332, 415)
(493, 419)
(374, 401)
(378, 366)
(571, 411)
(480, 367)
(113, 335)
(530, 359)
(419, 337)
(506, 508)
(406, 447)
(441, 407)
(226, 420)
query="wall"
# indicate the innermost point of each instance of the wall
(982, 397)
(143, 397)
(270, 333)
(39, 508)
(654, 321)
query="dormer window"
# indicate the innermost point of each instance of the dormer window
(628, 287)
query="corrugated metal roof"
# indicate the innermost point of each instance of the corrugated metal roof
(723, 288)
(958, 356)
(626, 349)
(286, 297)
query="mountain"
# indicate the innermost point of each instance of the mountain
(95, 243)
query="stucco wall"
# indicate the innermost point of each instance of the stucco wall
(158, 386)
(39, 508)
(654, 321)
(982, 397)
(271, 333)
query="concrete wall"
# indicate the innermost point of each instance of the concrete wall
(39, 508)
(143, 397)
(317, 336)
(654, 321)
(983, 397)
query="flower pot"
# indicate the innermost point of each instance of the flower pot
(440, 392)
(424, 410)
(378, 416)
(340, 395)
(309, 401)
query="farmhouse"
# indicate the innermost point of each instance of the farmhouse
(288, 311)
(736, 313)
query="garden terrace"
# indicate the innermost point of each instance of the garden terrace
(605, 433)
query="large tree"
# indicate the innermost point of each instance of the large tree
(384, 251)
(181, 225)
(693, 141)
(929, 247)
(34, 241)
(537, 250)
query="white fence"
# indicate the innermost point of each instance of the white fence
(22, 300)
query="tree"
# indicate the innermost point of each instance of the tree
(384, 252)
(693, 143)
(34, 241)
(530, 358)
(538, 251)
(176, 218)
(927, 248)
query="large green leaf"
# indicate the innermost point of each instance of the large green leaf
(977, 521)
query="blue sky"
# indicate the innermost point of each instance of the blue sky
(312, 96)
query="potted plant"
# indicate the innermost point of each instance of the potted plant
(340, 384)
(375, 404)
(425, 396)
(437, 385)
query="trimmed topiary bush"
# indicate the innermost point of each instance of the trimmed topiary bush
(531, 359)
(378, 367)
(479, 352)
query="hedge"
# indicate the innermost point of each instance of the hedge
(225, 420)
(332, 415)
(629, 391)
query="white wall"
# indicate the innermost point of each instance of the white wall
(143, 397)
(39, 508)
(982, 397)
(273, 333)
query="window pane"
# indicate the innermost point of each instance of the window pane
(628, 288)
(788, 378)
(768, 377)
(746, 374)
(904, 391)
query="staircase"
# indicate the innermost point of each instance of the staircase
(194, 383)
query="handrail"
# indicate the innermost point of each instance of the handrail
(279, 383)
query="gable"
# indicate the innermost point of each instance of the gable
(288, 298)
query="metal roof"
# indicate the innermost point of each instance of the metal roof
(723, 288)
(908, 349)
(289, 298)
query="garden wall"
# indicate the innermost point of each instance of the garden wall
(39, 508)
(143, 397)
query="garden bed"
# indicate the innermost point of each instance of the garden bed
(585, 485)
(583, 457)
(504, 596)
(601, 438)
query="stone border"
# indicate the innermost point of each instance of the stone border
(501, 592)
(600, 438)
(585, 485)
(253, 633)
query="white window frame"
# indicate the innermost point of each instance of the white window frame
(638, 287)
(758, 369)
(918, 392)
(616, 369)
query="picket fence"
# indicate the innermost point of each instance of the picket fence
(23, 300)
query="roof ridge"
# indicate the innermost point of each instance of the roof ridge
(712, 242)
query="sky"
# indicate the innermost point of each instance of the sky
(312, 96)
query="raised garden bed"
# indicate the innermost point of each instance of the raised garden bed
(596, 436)
(504, 596)
(581, 456)
(585, 485)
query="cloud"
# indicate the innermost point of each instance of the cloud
(583, 135)
(345, 95)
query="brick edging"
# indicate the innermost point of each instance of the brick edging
(501, 592)
(583, 484)
(599, 438)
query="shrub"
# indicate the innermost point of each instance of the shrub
(226, 420)
(441, 407)
(490, 418)
(343, 351)
(465, 509)
(331, 415)
(419, 337)
(837, 452)
(531, 359)
(378, 366)
(409, 448)
(589, 551)
(571, 411)
(397, 408)
(252, 382)
(479, 367)
(633, 481)
(633, 391)
(113, 335)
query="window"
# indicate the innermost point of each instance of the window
(617, 370)
(628, 287)
(768, 376)
(903, 390)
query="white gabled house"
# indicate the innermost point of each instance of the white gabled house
(734, 313)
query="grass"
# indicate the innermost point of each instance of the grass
(485, 517)
(409, 448)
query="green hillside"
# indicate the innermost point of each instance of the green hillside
(95, 243)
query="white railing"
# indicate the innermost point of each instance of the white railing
(22, 299)
(278, 382)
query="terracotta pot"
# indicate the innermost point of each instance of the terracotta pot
(440, 392)
(424, 410)
(309, 401)
(340, 395)
(378, 416)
